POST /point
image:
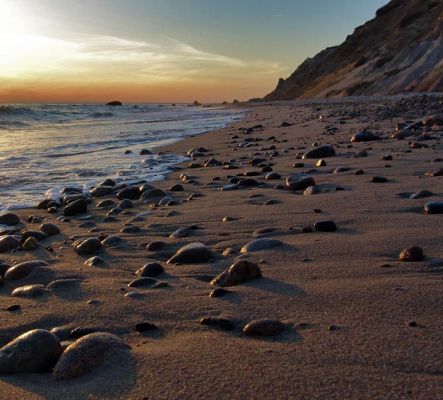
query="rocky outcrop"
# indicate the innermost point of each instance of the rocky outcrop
(400, 50)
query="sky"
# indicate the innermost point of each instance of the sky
(85, 51)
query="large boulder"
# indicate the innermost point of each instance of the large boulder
(23, 269)
(9, 219)
(78, 206)
(34, 351)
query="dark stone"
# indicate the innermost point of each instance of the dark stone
(131, 193)
(145, 326)
(9, 219)
(299, 182)
(192, 253)
(412, 254)
(76, 207)
(218, 323)
(435, 207)
(320, 152)
(264, 327)
(150, 270)
(50, 229)
(379, 179)
(325, 226)
(239, 272)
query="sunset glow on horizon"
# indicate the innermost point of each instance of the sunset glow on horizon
(164, 51)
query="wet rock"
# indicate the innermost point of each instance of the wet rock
(50, 229)
(145, 152)
(247, 182)
(239, 272)
(299, 182)
(112, 241)
(29, 291)
(79, 206)
(176, 188)
(272, 176)
(150, 270)
(34, 351)
(85, 354)
(22, 270)
(260, 244)
(412, 254)
(181, 233)
(192, 253)
(320, 152)
(325, 226)
(125, 204)
(9, 219)
(37, 235)
(264, 327)
(106, 204)
(88, 246)
(102, 190)
(435, 207)
(8, 243)
(218, 323)
(130, 229)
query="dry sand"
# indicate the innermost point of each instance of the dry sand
(348, 319)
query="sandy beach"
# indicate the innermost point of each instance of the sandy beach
(346, 317)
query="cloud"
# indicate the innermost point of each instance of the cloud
(101, 58)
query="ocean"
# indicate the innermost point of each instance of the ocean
(44, 148)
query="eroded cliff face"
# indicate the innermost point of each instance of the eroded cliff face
(400, 50)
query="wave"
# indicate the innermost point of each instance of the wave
(10, 110)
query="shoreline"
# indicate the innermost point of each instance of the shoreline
(356, 322)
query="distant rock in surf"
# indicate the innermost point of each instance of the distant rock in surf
(114, 103)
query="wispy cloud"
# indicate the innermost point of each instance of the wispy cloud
(101, 57)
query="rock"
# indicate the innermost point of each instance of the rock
(102, 190)
(218, 292)
(9, 219)
(364, 136)
(325, 226)
(421, 194)
(176, 188)
(435, 172)
(272, 176)
(125, 204)
(311, 190)
(34, 351)
(30, 244)
(130, 229)
(76, 207)
(130, 193)
(153, 194)
(50, 229)
(37, 235)
(320, 163)
(299, 182)
(8, 243)
(192, 253)
(145, 152)
(239, 272)
(63, 283)
(140, 282)
(94, 261)
(85, 354)
(379, 179)
(145, 327)
(112, 241)
(156, 246)
(114, 103)
(264, 327)
(435, 207)
(105, 204)
(22, 270)
(247, 182)
(181, 233)
(218, 323)
(150, 270)
(260, 244)
(88, 246)
(320, 152)
(29, 291)
(412, 254)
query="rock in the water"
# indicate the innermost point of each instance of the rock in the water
(29, 291)
(239, 272)
(34, 351)
(22, 270)
(412, 254)
(325, 226)
(85, 354)
(434, 207)
(264, 327)
(8, 243)
(364, 136)
(192, 253)
(260, 244)
(320, 152)
(9, 219)
(114, 103)
(150, 270)
(76, 207)
(299, 182)
(88, 246)
(49, 229)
